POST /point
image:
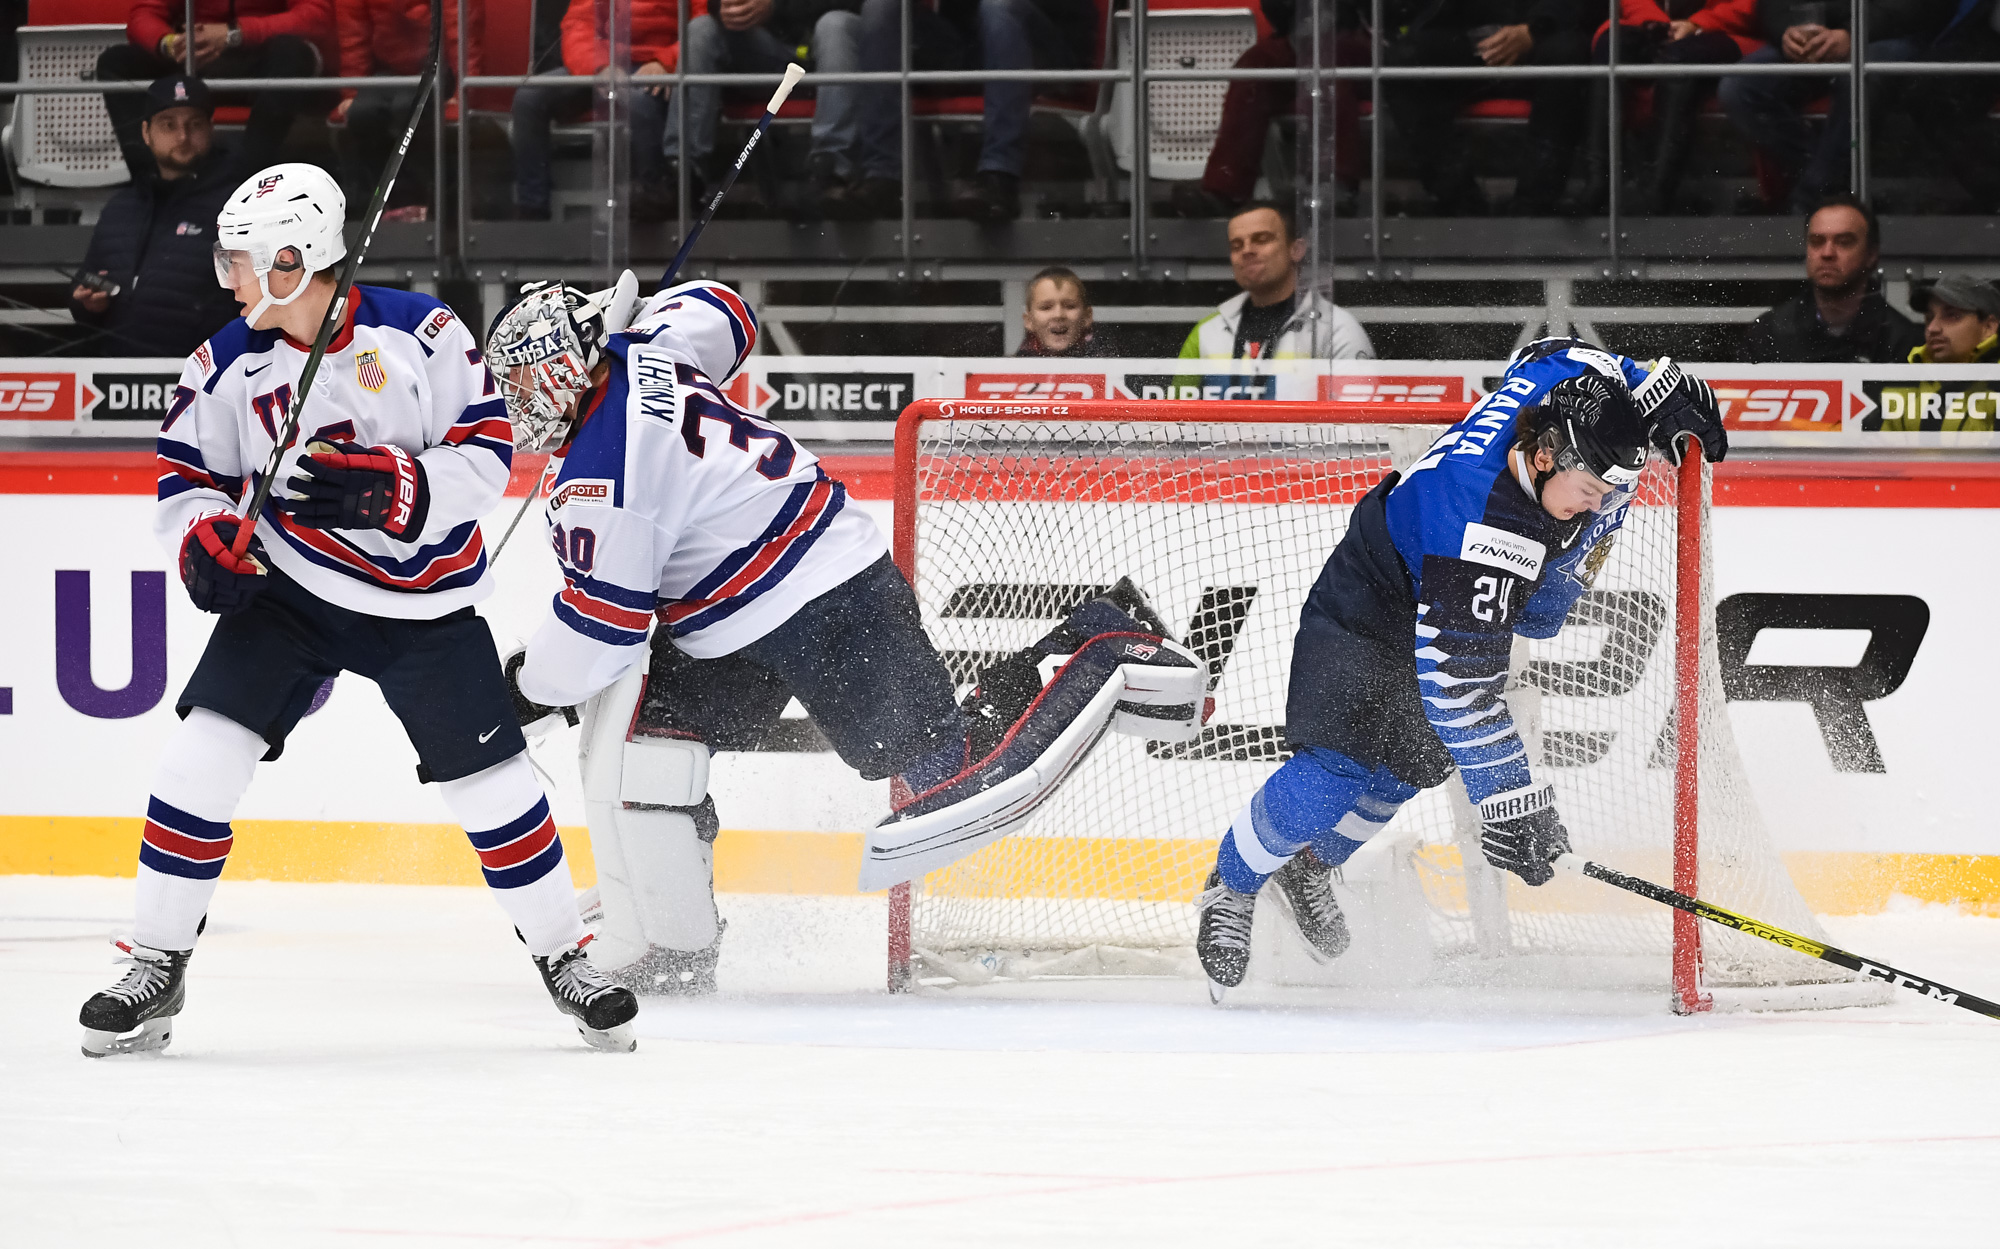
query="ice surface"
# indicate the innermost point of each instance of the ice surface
(379, 1066)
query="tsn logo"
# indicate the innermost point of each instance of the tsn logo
(1809, 405)
(25, 395)
(1035, 386)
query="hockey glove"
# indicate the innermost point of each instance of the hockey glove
(216, 578)
(1520, 833)
(535, 719)
(349, 486)
(1676, 405)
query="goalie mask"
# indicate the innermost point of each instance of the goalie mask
(297, 208)
(542, 348)
(1592, 423)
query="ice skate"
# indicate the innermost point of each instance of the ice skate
(603, 1011)
(1223, 940)
(665, 972)
(1305, 888)
(136, 1014)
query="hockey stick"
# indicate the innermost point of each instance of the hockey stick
(336, 312)
(793, 73)
(1868, 968)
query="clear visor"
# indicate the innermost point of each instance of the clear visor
(232, 267)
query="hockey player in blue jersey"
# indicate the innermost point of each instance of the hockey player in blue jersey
(712, 571)
(1403, 643)
(367, 559)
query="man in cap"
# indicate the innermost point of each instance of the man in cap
(1963, 327)
(148, 281)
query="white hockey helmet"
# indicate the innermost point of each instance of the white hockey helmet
(294, 206)
(543, 346)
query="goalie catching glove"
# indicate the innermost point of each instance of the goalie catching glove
(348, 486)
(1519, 832)
(217, 579)
(1035, 715)
(1677, 405)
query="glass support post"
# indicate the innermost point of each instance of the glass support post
(1613, 175)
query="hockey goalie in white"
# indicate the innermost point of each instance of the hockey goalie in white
(713, 571)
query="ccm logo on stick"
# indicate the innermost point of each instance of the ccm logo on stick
(1496, 548)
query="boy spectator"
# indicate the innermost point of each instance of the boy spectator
(655, 44)
(155, 238)
(1058, 317)
(232, 39)
(391, 37)
(1487, 32)
(1272, 318)
(1840, 317)
(1963, 328)
(1770, 109)
(963, 34)
(763, 36)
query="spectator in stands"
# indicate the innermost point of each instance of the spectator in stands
(763, 36)
(155, 238)
(1272, 318)
(1248, 107)
(1488, 32)
(390, 37)
(1771, 109)
(1058, 318)
(1954, 110)
(655, 45)
(232, 39)
(1963, 328)
(963, 34)
(1662, 32)
(1840, 317)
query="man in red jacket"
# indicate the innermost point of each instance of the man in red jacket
(231, 39)
(390, 37)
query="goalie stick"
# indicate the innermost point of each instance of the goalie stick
(1869, 968)
(336, 312)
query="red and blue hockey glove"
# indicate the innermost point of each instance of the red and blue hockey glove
(1519, 832)
(218, 579)
(1677, 404)
(349, 486)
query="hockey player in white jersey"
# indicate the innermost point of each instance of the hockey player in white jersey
(367, 559)
(666, 502)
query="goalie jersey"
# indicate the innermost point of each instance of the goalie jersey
(1447, 563)
(402, 371)
(671, 502)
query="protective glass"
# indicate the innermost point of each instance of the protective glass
(232, 266)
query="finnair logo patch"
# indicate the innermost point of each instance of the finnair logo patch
(1483, 544)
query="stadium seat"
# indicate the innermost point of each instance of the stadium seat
(64, 140)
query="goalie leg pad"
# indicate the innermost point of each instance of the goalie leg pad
(1112, 675)
(652, 832)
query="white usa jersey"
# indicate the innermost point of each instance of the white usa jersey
(671, 503)
(404, 372)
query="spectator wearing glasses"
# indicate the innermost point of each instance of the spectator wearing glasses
(391, 37)
(963, 34)
(1273, 318)
(586, 50)
(1840, 317)
(1770, 109)
(155, 238)
(1058, 318)
(232, 39)
(763, 36)
(1963, 328)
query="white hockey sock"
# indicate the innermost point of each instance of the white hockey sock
(206, 767)
(506, 814)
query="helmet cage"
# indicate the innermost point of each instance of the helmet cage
(541, 362)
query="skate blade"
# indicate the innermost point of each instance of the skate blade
(154, 1034)
(618, 1040)
(1217, 991)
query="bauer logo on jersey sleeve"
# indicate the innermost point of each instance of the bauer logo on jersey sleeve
(584, 490)
(1483, 544)
(368, 371)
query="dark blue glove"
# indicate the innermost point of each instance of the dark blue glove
(1678, 404)
(1519, 832)
(217, 579)
(349, 486)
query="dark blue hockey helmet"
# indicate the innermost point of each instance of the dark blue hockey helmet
(1591, 422)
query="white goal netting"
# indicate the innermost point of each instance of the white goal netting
(1225, 524)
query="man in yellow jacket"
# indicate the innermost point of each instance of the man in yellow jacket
(1963, 328)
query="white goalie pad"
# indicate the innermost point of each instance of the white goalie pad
(996, 795)
(655, 872)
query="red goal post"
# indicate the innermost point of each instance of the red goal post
(1688, 994)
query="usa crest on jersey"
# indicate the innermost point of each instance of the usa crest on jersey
(368, 370)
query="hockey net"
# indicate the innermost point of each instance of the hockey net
(1009, 515)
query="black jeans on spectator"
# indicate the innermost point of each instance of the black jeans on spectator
(271, 112)
(536, 110)
(1424, 113)
(375, 124)
(1676, 105)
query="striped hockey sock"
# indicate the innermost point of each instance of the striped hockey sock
(506, 815)
(202, 775)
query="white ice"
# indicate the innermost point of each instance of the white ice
(379, 1066)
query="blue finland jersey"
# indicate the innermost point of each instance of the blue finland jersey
(1458, 556)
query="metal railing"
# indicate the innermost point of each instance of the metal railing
(1313, 78)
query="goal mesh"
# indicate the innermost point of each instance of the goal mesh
(1009, 516)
